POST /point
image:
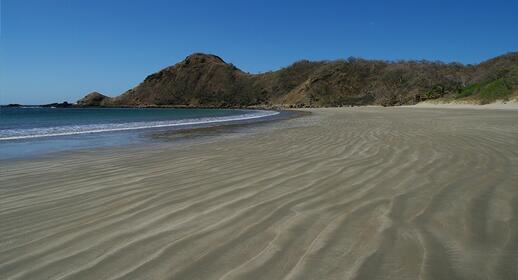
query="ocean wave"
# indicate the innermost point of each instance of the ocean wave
(15, 134)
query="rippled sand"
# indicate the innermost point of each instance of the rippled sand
(363, 193)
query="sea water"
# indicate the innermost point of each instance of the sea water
(28, 131)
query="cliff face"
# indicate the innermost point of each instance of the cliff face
(208, 81)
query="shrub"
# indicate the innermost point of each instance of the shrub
(468, 91)
(495, 90)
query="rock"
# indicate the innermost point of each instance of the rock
(93, 99)
(63, 104)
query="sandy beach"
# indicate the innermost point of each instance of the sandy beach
(345, 193)
(499, 105)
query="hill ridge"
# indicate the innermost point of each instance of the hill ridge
(206, 80)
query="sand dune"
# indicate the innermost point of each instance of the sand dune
(361, 193)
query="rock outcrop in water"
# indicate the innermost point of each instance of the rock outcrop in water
(63, 104)
(204, 80)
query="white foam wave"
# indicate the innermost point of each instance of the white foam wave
(15, 134)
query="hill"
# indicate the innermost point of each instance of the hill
(205, 80)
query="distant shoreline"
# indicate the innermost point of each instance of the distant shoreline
(500, 104)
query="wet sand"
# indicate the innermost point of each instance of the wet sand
(350, 193)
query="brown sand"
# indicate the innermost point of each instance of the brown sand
(361, 193)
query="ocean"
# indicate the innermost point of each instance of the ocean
(26, 131)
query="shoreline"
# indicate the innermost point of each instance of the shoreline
(178, 133)
(159, 124)
(434, 103)
(158, 135)
(228, 127)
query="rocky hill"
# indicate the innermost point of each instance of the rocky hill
(204, 80)
(94, 99)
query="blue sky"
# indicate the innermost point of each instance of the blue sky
(57, 50)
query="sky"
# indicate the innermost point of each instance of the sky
(60, 50)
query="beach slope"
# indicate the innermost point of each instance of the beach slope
(347, 193)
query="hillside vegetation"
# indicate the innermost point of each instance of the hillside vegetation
(204, 80)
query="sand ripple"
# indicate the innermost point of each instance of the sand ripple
(367, 193)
